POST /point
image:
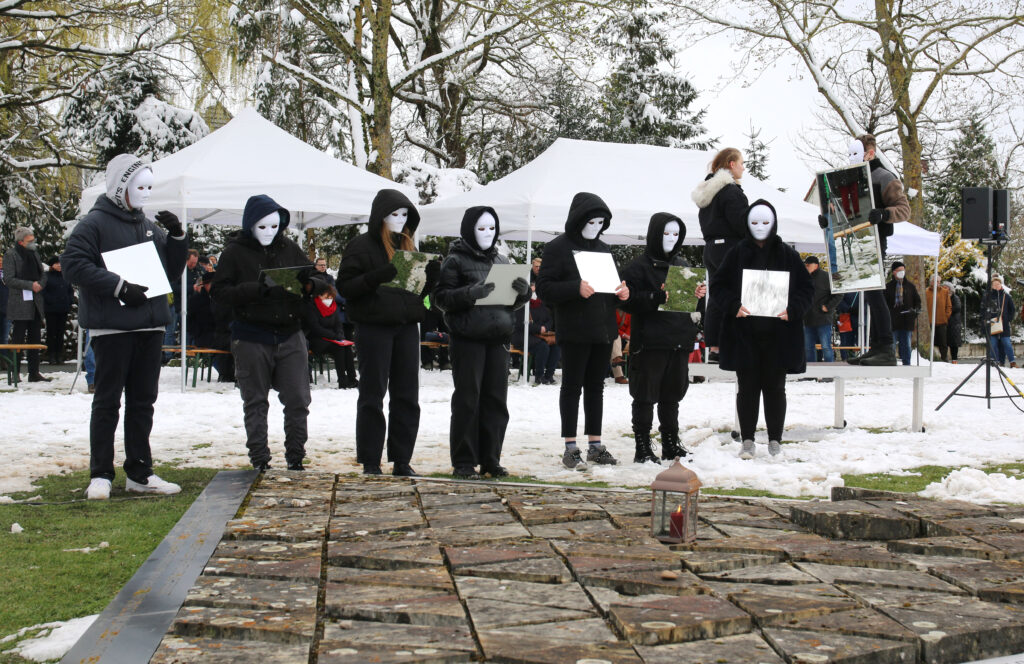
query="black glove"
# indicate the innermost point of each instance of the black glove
(879, 216)
(382, 275)
(433, 270)
(132, 294)
(480, 291)
(823, 221)
(169, 221)
(521, 286)
(276, 292)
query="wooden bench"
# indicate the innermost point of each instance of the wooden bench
(840, 372)
(15, 360)
(202, 358)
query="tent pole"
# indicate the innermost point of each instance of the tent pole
(183, 308)
(524, 376)
(935, 300)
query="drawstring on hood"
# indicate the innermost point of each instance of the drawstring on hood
(120, 171)
(655, 231)
(584, 207)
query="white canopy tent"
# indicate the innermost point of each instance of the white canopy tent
(209, 182)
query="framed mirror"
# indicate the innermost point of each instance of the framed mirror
(852, 249)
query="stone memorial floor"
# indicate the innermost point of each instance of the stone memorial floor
(328, 569)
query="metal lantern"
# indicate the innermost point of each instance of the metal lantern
(674, 495)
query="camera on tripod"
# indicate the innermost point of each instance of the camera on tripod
(985, 214)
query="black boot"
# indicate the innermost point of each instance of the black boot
(671, 447)
(643, 453)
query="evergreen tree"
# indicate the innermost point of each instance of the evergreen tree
(756, 155)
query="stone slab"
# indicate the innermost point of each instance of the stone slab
(378, 508)
(539, 570)
(473, 535)
(268, 550)
(303, 569)
(972, 526)
(800, 647)
(191, 650)
(953, 546)
(415, 606)
(678, 620)
(772, 605)
(403, 554)
(879, 577)
(434, 500)
(935, 510)
(509, 648)
(776, 574)
(880, 597)
(706, 562)
(571, 529)
(742, 649)
(491, 614)
(277, 626)
(975, 630)
(244, 593)
(394, 522)
(432, 578)
(855, 520)
(298, 528)
(858, 622)
(362, 633)
(474, 517)
(590, 630)
(1010, 544)
(874, 555)
(645, 581)
(466, 556)
(331, 653)
(655, 552)
(603, 598)
(565, 596)
(999, 581)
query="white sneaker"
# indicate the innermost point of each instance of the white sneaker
(99, 489)
(748, 450)
(153, 485)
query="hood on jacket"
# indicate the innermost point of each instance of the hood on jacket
(120, 170)
(584, 207)
(384, 203)
(256, 208)
(655, 232)
(469, 220)
(775, 227)
(705, 192)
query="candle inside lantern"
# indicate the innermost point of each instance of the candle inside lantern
(675, 528)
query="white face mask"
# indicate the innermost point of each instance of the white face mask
(328, 301)
(760, 222)
(140, 188)
(484, 231)
(670, 237)
(396, 220)
(592, 228)
(856, 152)
(266, 228)
(900, 274)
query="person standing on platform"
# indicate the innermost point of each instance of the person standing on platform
(25, 279)
(584, 324)
(943, 310)
(760, 349)
(480, 338)
(818, 319)
(660, 341)
(904, 303)
(387, 334)
(58, 296)
(125, 327)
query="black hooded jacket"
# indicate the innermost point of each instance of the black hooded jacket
(467, 265)
(255, 310)
(365, 300)
(577, 319)
(649, 327)
(753, 341)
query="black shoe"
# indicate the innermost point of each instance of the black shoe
(403, 470)
(856, 359)
(446, 366)
(262, 466)
(295, 465)
(39, 378)
(464, 473)
(644, 452)
(600, 455)
(550, 380)
(497, 471)
(371, 469)
(883, 358)
(671, 448)
(712, 357)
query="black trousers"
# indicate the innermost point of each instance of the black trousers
(584, 367)
(941, 343)
(479, 408)
(128, 362)
(658, 377)
(881, 320)
(752, 384)
(28, 332)
(344, 360)
(713, 256)
(545, 358)
(56, 326)
(388, 362)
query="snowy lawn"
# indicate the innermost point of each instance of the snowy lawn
(48, 433)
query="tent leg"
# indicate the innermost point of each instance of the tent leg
(183, 308)
(524, 375)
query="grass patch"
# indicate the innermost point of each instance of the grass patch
(748, 493)
(43, 583)
(925, 476)
(202, 446)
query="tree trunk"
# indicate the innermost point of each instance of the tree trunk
(381, 140)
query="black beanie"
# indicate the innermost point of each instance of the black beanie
(897, 264)
(811, 260)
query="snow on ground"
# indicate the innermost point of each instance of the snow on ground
(48, 432)
(54, 641)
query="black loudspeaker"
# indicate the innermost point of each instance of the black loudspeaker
(976, 213)
(1000, 211)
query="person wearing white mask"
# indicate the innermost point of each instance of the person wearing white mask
(585, 326)
(480, 338)
(387, 333)
(126, 327)
(660, 341)
(267, 342)
(904, 304)
(760, 349)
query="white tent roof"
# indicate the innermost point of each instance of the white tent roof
(213, 178)
(910, 240)
(634, 180)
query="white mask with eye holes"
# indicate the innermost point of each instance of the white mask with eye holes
(396, 220)
(592, 228)
(265, 230)
(670, 237)
(484, 230)
(856, 152)
(760, 222)
(140, 188)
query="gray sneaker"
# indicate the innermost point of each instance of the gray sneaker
(600, 455)
(573, 460)
(774, 447)
(748, 450)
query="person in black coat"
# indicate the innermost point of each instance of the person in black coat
(904, 304)
(997, 306)
(480, 337)
(585, 325)
(387, 337)
(819, 319)
(660, 341)
(267, 342)
(955, 333)
(58, 296)
(324, 327)
(541, 348)
(761, 350)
